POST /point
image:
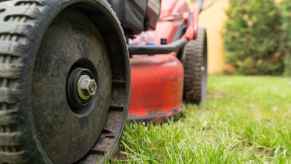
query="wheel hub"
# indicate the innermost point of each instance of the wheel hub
(81, 89)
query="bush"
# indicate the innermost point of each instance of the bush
(286, 26)
(252, 36)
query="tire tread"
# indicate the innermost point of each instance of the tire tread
(17, 19)
(193, 61)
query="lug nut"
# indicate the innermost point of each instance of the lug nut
(87, 87)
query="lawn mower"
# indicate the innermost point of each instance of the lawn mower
(169, 64)
(65, 77)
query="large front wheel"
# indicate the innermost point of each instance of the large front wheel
(62, 99)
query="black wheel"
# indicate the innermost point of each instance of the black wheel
(195, 66)
(63, 100)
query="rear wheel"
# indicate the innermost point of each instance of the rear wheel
(57, 102)
(195, 66)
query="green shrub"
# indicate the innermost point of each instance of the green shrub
(286, 26)
(252, 36)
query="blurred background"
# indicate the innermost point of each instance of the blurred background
(249, 37)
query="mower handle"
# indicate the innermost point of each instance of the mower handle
(191, 32)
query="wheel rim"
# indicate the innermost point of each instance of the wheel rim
(67, 123)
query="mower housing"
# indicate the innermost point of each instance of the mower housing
(157, 87)
(157, 68)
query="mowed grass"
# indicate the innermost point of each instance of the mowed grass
(246, 120)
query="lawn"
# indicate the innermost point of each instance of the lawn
(246, 120)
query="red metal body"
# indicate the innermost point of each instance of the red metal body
(157, 81)
(157, 87)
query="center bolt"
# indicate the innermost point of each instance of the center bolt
(87, 87)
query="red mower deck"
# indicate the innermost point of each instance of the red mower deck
(157, 87)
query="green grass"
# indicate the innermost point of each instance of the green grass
(246, 120)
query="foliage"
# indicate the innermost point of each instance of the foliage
(286, 26)
(252, 36)
(245, 120)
